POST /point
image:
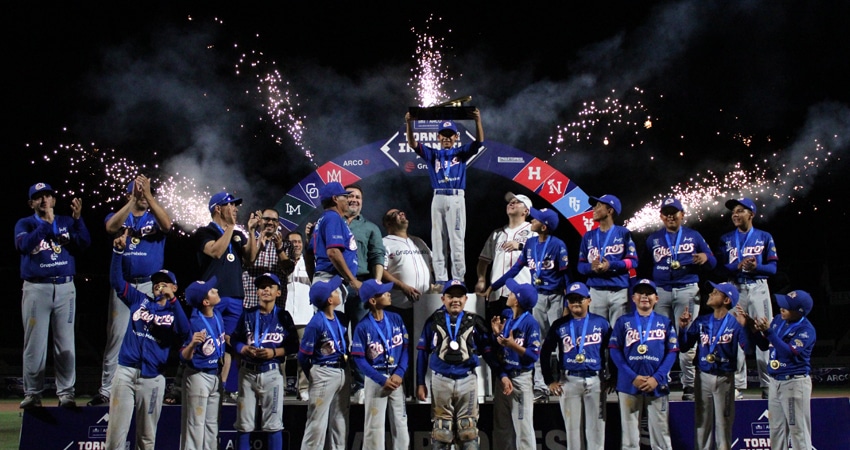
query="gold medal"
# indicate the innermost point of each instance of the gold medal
(642, 348)
(774, 364)
(390, 360)
(538, 281)
(57, 249)
(454, 345)
(135, 241)
(230, 257)
(710, 358)
(675, 264)
(580, 358)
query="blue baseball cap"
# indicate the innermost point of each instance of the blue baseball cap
(197, 291)
(454, 284)
(448, 125)
(729, 290)
(321, 291)
(372, 288)
(331, 190)
(163, 275)
(545, 216)
(267, 276)
(799, 301)
(745, 202)
(671, 203)
(40, 187)
(577, 288)
(646, 282)
(223, 198)
(526, 294)
(609, 200)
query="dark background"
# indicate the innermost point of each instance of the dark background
(754, 87)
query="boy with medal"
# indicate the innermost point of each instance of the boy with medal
(379, 348)
(518, 339)
(202, 353)
(264, 336)
(323, 358)
(789, 340)
(644, 347)
(450, 343)
(718, 337)
(582, 341)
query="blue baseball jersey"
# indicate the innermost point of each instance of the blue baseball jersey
(379, 347)
(667, 247)
(790, 345)
(735, 246)
(227, 272)
(153, 328)
(332, 231)
(657, 334)
(272, 330)
(547, 261)
(49, 249)
(572, 337)
(447, 167)
(526, 332)
(435, 350)
(718, 337)
(208, 355)
(323, 341)
(145, 251)
(617, 247)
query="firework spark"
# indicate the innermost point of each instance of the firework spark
(430, 74)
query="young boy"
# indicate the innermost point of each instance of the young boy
(644, 347)
(202, 354)
(582, 341)
(789, 340)
(719, 337)
(323, 356)
(156, 325)
(449, 342)
(518, 339)
(263, 337)
(379, 348)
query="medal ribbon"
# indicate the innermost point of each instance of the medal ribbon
(604, 244)
(537, 256)
(453, 336)
(337, 340)
(512, 325)
(583, 334)
(216, 334)
(674, 250)
(229, 244)
(639, 320)
(715, 337)
(787, 329)
(443, 166)
(740, 246)
(388, 328)
(257, 340)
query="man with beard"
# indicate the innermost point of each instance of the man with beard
(273, 256)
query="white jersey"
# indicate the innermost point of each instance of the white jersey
(298, 295)
(410, 263)
(502, 260)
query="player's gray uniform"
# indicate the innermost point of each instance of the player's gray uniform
(672, 304)
(331, 416)
(201, 392)
(448, 230)
(375, 405)
(116, 326)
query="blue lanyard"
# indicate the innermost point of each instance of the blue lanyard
(583, 334)
(229, 244)
(512, 325)
(716, 336)
(790, 327)
(337, 340)
(453, 336)
(388, 328)
(537, 255)
(445, 167)
(604, 244)
(740, 247)
(257, 340)
(137, 223)
(216, 334)
(639, 319)
(674, 250)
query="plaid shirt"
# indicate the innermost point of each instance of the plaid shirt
(267, 261)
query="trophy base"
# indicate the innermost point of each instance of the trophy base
(442, 113)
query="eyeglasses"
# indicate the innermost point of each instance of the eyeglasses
(270, 219)
(393, 214)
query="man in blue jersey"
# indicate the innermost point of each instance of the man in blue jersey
(334, 246)
(447, 171)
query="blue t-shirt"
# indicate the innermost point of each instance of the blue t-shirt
(617, 247)
(658, 336)
(331, 231)
(145, 252)
(379, 347)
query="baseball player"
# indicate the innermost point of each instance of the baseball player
(450, 343)
(643, 346)
(447, 170)
(379, 348)
(48, 245)
(747, 256)
(581, 338)
(546, 257)
(607, 257)
(264, 336)
(333, 245)
(148, 223)
(789, 340)
(518, 340)
(718, 337)
(156, 325)
(202, 353)
(679, 255)
(323, 357)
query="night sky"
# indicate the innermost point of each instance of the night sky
(742, 98)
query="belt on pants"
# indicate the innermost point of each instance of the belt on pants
(333, 364)
(581, 373)
(517, 372)
(448, 191)
(548, 292)
(789, 377)
(454, 376)
(51, 280)
(259, 368)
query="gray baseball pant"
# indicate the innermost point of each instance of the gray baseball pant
(46, 308)
(132, 396)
